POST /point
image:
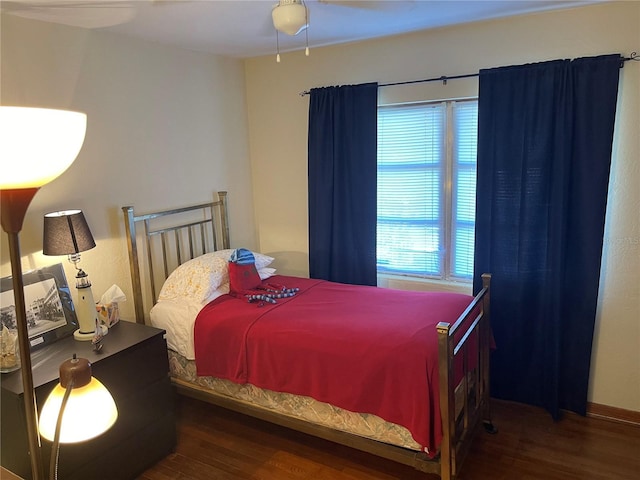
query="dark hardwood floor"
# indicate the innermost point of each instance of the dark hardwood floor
(214, 443)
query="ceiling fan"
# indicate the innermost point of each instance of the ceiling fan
(292, 16)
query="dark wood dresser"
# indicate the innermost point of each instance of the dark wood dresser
(133, 365)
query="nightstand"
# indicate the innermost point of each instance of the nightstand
(134, 366)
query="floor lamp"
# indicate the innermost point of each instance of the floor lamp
(36, 146)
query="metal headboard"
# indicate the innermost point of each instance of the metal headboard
(170, 238)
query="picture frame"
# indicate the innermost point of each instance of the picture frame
(51, 314)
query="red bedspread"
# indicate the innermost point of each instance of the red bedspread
(364, 349)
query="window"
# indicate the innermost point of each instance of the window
(426, 189)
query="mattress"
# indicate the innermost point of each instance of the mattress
(296, 406)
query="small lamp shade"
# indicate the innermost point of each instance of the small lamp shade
(66, 233)
(38, 144)
(90, 409)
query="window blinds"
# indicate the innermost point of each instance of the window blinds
(414, 167)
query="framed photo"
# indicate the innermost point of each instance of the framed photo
(50, 311)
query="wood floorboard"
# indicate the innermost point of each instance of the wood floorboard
(216, 444)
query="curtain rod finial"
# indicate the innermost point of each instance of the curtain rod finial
(633, 56)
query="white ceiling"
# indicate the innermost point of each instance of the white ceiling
(243, 28)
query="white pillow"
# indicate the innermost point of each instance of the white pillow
(199, 278)
(266, 273)
(262, 260)
(196, 279)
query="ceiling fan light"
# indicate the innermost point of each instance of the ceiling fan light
(290, 18)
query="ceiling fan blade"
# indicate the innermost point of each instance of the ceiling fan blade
(75, 13)
(370, 4)
(55, 4)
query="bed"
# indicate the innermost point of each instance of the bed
(413, 390)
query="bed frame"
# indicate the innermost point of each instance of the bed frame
(171, 237)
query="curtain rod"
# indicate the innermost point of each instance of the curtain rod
(444, 79)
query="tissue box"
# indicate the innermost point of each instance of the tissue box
(108, 313)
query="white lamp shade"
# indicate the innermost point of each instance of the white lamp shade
(90, 411)
(290, 18)
(37, 144)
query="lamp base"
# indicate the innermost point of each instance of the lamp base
(83, 337)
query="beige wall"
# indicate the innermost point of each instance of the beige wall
(166, 128)
(278, 135)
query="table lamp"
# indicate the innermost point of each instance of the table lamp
(67, 233)
(36, 146)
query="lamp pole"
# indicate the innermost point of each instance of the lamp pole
(13, 206)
